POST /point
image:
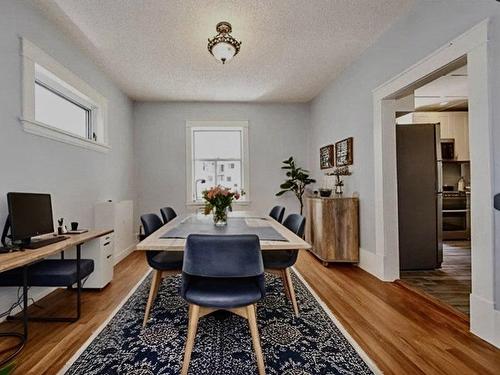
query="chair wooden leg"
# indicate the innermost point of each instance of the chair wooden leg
(194, 311)
(155, 285)
(284, 280)
(252, 322)
(291, 291)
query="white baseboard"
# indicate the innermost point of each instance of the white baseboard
(33, 297)
(485, 320)
(371, 263)
(118, 257)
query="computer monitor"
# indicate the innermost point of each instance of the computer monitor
(30, 215)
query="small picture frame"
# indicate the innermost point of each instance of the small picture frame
(343, 152)
(326, 158)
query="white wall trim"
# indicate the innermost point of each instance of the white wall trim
(47, 131)
(33, 56)
(472, 44)
(371, 262)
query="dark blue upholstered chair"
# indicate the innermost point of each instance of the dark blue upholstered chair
(277, 213)
(167, 214)
(278, 262)
(222, 273)
(52, 273)
(164, 263)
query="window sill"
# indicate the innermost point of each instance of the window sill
(51, 132)
(201, 204)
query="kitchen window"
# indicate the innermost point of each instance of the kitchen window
(217, 154)
(59, 105)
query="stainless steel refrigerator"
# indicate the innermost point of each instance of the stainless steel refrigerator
(420, 197)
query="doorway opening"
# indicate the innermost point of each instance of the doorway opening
(434, 189)
(472, 46)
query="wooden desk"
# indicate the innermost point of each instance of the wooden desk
(154, 242)
(22, 259)
(17, 259)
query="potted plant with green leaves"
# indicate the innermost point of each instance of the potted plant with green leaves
(297, 180)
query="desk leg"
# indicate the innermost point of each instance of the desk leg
(25, 301)
(79, 281)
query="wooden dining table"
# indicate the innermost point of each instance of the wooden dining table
(289, 241)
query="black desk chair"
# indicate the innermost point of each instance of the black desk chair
(164, 263)
(167, 214)
(52, 273)
(277, 213)
(222, 273)
(278, 262)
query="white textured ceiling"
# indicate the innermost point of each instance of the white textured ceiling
(157, 50)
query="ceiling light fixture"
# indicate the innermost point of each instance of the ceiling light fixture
(223, 46)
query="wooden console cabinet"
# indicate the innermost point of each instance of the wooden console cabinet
(332, 228)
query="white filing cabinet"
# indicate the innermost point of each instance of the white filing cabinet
(119, 217)
(101, 251)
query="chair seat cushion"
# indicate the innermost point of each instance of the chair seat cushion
(167, 260)
(49, 272)
(278, 259)
(223, 292)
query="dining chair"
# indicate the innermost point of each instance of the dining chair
(277, 213)
(164, 263)
(279, 262)
(167, 214)
(222, 272)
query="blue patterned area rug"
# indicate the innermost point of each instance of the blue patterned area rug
(309, 345)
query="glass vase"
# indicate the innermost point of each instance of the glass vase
(220, 216)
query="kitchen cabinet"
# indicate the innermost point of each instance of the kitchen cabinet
(453, 125)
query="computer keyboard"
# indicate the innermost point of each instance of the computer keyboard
(44, 242)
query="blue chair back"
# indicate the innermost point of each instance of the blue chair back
(151, 223)
(295, 223)
(277, 213)
(223, 256)
(167, 214)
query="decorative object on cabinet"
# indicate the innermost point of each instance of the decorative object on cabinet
(326, 157)
(325, 193)
(339, 183)
(332, 228)
(297, 180)
(343, 152)
(117, 216)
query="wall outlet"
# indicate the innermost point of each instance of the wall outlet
(497, 202)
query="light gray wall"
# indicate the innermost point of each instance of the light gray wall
(276, 131)
(345, 107)
(76, 178)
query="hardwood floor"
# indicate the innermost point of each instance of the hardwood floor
(51, 345)
(403, 332)
(451, 284)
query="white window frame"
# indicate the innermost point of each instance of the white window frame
(59, 79)
(192, 126)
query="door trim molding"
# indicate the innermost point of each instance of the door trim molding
(473, 45)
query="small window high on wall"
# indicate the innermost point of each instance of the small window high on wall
(217, 154)
(59, 105)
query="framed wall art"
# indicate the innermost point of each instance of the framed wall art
(343, 152)
(326, 158)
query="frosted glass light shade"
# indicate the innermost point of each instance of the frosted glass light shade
(223, 52)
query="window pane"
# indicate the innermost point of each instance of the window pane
(54, 110)
(217, 144)
(229, 174)
(203, 170)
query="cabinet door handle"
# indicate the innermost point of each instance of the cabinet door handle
(109, 256)
(107, 243)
